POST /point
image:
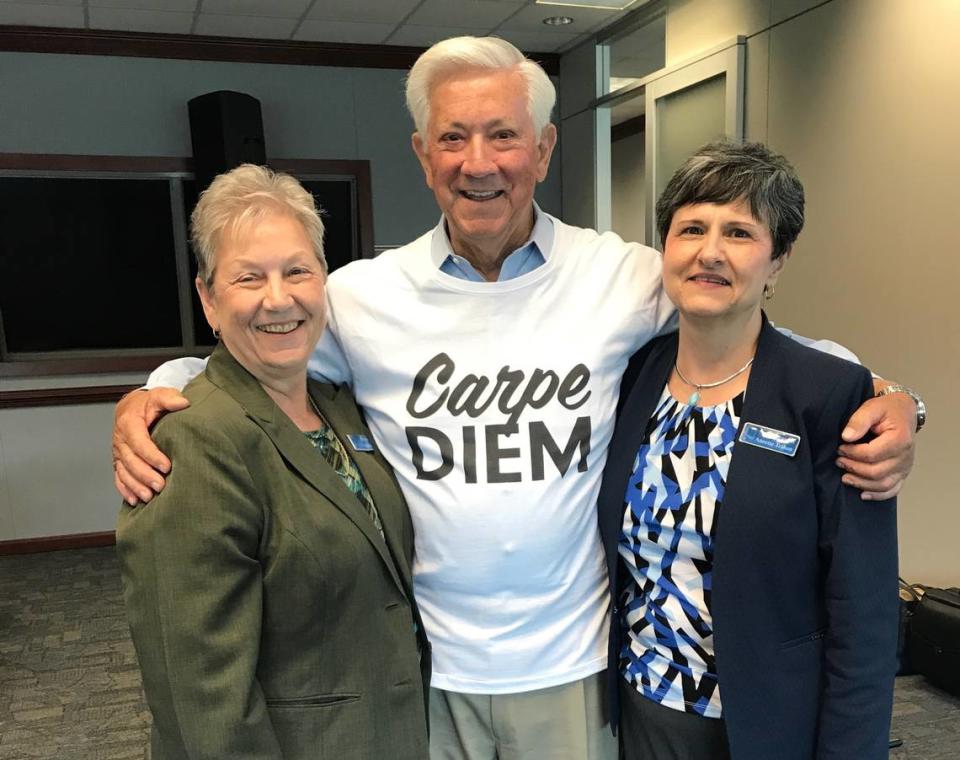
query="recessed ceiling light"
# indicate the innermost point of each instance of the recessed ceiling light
(610, 5)
(557, 20)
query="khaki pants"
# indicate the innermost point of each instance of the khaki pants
(567, 722)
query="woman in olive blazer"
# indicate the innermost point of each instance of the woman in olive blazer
(270, 605)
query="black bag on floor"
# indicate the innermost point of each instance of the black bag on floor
(909, 599)
(933, 644)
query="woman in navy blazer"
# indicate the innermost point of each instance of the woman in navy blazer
(754, 595)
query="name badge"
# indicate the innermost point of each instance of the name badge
(360, 443)
(770, 439)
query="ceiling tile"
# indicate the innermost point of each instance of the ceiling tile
(424, 36)
(367, 11)
(530, 18)
(617, 5)
(177, 6)
(135, 20)
(41, 2)
(265, 8)
(245, 26)
(22, 14)
(153, 5)
(343, 31)
(534, 42)
(481, 15)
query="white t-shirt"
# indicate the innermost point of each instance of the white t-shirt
(494, 402)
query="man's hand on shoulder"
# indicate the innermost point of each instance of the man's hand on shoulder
(880, 467)
(138, 465)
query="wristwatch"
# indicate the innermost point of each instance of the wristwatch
(921, 407)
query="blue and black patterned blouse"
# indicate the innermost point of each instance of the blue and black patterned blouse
(666, 543)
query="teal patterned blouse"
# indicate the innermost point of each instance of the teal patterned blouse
(336, 455)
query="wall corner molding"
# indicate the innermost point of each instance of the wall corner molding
(57, 543)
(41, 39)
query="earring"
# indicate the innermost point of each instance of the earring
(216, 332)
(768, 291)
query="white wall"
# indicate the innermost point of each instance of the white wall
(55, 475)
(55, 464)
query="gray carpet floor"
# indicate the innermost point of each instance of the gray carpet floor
(70, 688)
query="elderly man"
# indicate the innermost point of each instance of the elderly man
(487, 355)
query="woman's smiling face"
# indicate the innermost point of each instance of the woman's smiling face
(717, 260)
(267, 297)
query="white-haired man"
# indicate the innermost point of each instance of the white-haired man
(487, 355)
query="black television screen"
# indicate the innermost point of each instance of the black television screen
(335, 199)
(92, 256)
(87, 264)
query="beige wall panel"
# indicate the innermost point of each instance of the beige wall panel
(861, 99)
(697, 25)
(755, 87)
(629, 195)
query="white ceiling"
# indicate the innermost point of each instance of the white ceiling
(417, 23)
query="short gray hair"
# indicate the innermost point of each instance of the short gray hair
(244, 195)
(458, 53)
(726, 171)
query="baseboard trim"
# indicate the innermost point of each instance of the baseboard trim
(56, 543)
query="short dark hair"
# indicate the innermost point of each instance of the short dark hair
(726, 171)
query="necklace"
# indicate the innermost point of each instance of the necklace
(695, 396)
(316, 410)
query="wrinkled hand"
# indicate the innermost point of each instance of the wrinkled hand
(138, 465)
(880, 467)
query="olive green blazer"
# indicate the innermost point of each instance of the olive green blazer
(270, 618)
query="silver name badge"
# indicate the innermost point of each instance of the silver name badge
(360, 443)
(770, 439)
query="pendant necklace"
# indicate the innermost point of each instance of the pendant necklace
(695, 396)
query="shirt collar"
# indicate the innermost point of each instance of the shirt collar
(541, 236)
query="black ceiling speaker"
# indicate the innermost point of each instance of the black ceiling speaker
(226, 129)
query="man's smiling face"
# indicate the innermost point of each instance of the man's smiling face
(482, 158)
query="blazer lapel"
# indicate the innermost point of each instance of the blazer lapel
(642, 400)
(636, 410)
(762, 405)
(223, 370)
(341, 412)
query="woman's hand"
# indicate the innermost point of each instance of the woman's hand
(880, 467)
(138, 465)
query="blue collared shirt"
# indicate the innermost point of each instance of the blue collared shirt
(528, 257)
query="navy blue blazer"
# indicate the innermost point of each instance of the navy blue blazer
(804, 597)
